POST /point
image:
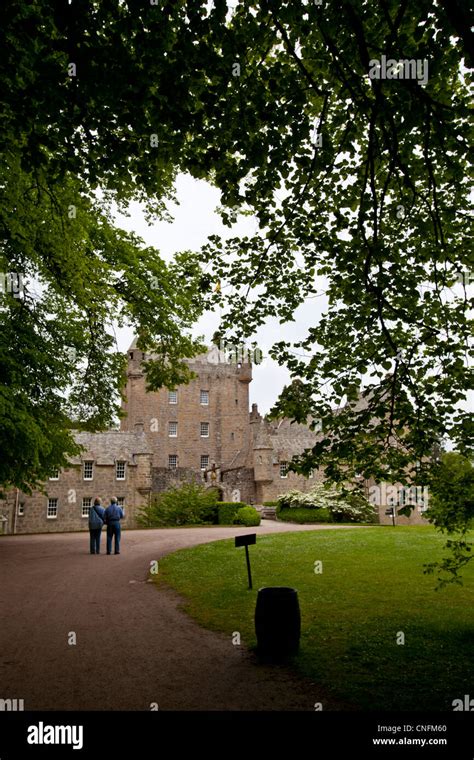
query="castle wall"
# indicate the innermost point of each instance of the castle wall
(239, 485)
(385, 496)
(71, 488)
(226, 413)
(164, 478)
(271, 490)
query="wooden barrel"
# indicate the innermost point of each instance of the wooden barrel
(277, 622)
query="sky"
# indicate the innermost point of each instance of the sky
(194, 220)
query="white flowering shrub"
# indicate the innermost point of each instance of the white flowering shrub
(343, 507)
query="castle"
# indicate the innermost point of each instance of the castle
(201, 432)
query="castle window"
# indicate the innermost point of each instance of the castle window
(121, 501)
(283, 469)
(173, 462)
(52, 510)
(88, 470)
(204, 398)
(236, 401)
(204, 430)
(120, 470)
(172, 397)
(131, 354)
(21, 508)
(231, 436)
(311, 474)
(54, 475)
(204, 461)
(172, 429)
(86, 506)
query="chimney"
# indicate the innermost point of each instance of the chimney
(254, 414)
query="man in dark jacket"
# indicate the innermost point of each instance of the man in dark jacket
(113, 515)
(96, 521)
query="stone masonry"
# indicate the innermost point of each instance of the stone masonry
(201, 432)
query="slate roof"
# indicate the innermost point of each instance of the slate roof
(291, 440)
(106, 448)
(285, 438)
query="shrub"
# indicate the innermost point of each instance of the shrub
(452, 493)
(304, 515)
(186, 504)
(354, 507)
(270, 503)
(247, 516)
(227, 511)
(343, 506)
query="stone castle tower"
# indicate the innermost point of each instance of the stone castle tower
(201, 430)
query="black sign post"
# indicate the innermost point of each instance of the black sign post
(250, 538)
(391, 511)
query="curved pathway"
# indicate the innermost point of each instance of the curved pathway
(134, 645)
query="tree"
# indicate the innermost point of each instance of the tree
(394, 154)
(355, 166)
(68, 277)
(67, 281)
(452, 511)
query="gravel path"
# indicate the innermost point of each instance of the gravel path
(134, 645)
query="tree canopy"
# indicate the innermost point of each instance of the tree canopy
(342, 127)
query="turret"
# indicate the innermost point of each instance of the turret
(263, 457)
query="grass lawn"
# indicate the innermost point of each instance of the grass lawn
(372, 587)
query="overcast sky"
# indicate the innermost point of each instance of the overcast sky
(194, 220)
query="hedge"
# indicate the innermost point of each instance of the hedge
(227, 511)
(304, 515)
(247, 516)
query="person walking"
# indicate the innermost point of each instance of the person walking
(96, 522)
(113, 515)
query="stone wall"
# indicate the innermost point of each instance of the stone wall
(270, 491)
(163, 478)
(7, 512)
(239, 485)
(416, 517)
(227, 413)
(71, 488)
